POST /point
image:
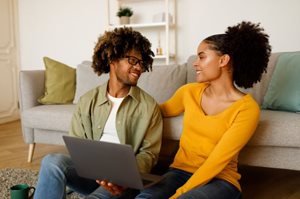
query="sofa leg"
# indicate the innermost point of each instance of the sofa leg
(30, 152)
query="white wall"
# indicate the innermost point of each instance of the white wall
(198, 19)
(67, 30)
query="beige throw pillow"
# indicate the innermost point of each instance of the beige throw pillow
(60, 81)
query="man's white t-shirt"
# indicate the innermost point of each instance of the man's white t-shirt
(110, 132)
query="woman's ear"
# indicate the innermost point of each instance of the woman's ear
(225, 59)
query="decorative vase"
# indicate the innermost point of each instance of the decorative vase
(124, 20)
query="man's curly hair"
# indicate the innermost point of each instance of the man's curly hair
(114, 45)
(249, 50)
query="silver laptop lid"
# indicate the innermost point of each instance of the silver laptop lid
(103, 160)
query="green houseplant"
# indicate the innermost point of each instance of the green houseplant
(124, 13)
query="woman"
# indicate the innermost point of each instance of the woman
(219, 119)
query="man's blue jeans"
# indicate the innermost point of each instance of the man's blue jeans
(56, 172)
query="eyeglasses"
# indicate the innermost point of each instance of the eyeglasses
(134, 61)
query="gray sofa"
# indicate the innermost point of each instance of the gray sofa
(275, 144)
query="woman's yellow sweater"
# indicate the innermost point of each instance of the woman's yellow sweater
(210, 144)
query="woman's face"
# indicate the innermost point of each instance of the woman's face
(207, 64)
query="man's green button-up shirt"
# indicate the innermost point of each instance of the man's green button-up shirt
(138, 122)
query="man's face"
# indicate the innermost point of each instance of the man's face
(129, 69)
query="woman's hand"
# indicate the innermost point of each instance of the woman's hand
(112, 188)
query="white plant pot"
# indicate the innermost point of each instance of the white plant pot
(124, 20)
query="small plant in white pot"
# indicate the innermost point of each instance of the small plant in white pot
(124, 13)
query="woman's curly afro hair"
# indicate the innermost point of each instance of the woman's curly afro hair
(114, 45)
(249, 51)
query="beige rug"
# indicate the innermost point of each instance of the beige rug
(10, 177)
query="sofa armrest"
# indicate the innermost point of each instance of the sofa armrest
(32, 84)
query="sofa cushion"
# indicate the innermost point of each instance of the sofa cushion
(273, 157)
(191, 72)
(277, 128)
(284, 89)
(172, 127)
(87, 79)
(59, 83)
(170, 76)
(51, 117)
(49, 136)
(259, 89)
(163, 81)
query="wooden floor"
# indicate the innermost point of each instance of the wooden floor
(257, 183)
(13, 150)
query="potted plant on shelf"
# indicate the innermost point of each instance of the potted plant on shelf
(124, 13)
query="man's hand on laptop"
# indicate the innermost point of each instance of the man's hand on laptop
(112, 188)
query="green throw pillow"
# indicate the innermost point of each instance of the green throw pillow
(60, 81)
(284, 89)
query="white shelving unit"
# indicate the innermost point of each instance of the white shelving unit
(166, 27)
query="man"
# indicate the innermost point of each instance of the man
(117, 111)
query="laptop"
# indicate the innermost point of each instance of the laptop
(113, 162)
